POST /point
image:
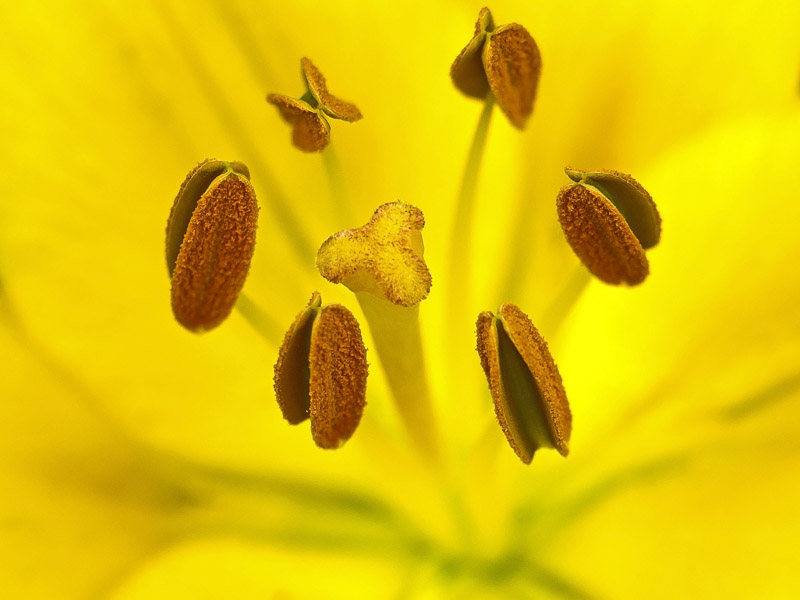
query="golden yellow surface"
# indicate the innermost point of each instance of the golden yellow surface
(140, 461)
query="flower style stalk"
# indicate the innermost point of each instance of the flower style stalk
(382, 263)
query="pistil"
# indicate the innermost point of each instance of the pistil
(398, 342)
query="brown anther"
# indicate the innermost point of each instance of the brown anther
(530, 402)
(609, 219)
(211, 236)
(631, 199)
(321, 372)
(333, 106)
(513, 66)
(338, 364)
(384, 257)
(310, 131)
(292, 375)
(504, 60)
(467, 70)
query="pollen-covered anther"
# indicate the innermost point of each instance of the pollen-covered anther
(307, 115)
(513, 66)
(529, 398)
(330, 104)
(211, 236)
(609, 219)
(310, 130)
(467, 71)
(504, 60)
(383, 258)
(321, 372)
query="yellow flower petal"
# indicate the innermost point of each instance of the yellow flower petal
(235, 569)
(106, 110)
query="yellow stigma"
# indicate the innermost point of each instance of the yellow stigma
(383, 258)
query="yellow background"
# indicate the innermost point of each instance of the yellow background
(140, 461)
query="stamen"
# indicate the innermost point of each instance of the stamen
(338, 364)
(501, 65)
(467, 70)
(513, 66)
(609, 219)
(321, 372)
(504, 61)
(333, 106)
(630, 198)
(529, 397)
(310, 131)
(382, 262)
(211, 234)
(456, 314)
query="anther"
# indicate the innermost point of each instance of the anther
(321, 372)
(307, 115)
(609, 219)
(333, 106)
(211, 236)
(467, 71)
(310, 130)
(383, 258)
(504, 61)
(529, 398)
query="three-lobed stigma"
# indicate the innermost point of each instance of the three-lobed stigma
(383, 257)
